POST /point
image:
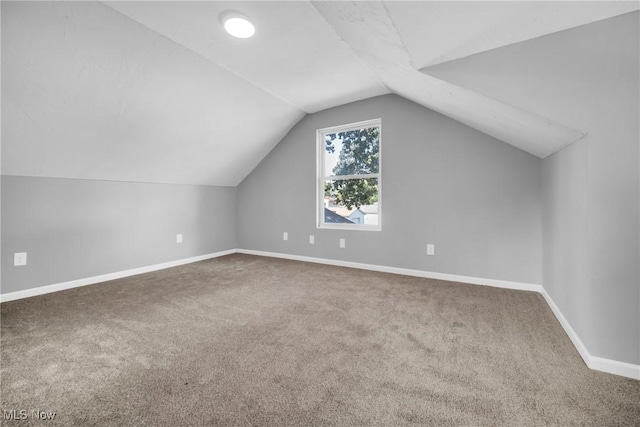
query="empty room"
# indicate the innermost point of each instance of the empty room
(304, 213)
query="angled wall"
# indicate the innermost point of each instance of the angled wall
(476, 198)
(592, 198)
(588, 78)
(96, 108)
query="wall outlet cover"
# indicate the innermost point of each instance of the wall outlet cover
(19, 258)
(431, 249)
(178, 238)
(285, 236)
(343, 243)
(312, 239)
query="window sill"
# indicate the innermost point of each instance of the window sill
(349, 227)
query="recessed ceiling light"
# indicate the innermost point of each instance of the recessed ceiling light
(237, 24)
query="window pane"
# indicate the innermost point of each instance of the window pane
(352, 152)
(351, 201)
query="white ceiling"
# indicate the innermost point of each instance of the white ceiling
(88, 93)
(296, 54)
(436, 32)
(157, 92)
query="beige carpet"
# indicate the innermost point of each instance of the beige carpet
(244, 340)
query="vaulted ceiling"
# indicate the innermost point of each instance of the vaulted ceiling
(158, 92)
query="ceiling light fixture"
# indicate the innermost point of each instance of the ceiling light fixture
(237, 24)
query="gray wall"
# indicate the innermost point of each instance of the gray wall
(477, 199)
(73, 229)
(587, 78)
(591, 194)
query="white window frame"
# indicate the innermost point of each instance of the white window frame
(321, 178)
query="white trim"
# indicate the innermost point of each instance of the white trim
(577, 342)
(615, 367)
(321, 178)
(350, 126)
(404, 271)
(350, 227)
(346, 177)
(105, 277)
(596, 363)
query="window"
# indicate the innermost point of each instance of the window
(349, 184)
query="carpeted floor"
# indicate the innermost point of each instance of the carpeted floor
(245, 340)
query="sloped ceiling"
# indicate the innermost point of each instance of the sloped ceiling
(89, 93)
(544, 77)
(158, 92)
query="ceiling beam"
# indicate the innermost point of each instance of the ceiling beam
(368, 28)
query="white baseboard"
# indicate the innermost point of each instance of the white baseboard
(615, 367)
(593, 362)
(577, 342)
(105, 277)
(609, 366)
(404, 271)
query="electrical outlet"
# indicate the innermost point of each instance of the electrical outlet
(178, 238)
(285, 236)
(431, 249)
(312, 239)
(19, 258)
(343, 243)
